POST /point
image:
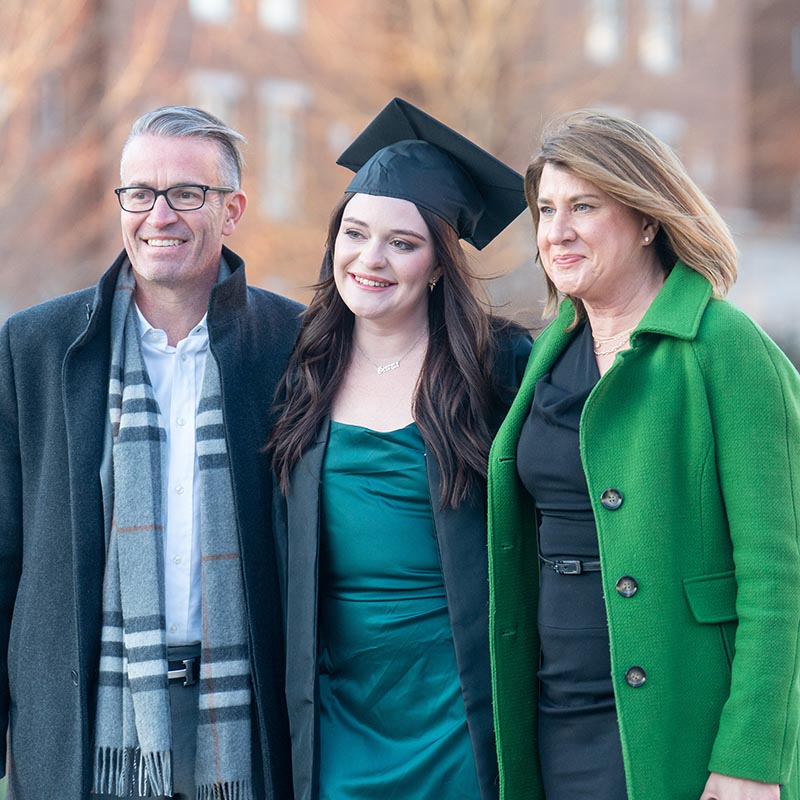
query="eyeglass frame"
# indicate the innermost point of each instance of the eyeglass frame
(163, 193)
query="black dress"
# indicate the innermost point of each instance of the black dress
(579, 745)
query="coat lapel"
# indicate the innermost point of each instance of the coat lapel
(513, 571)
(85, 375)
(303, 521)
(250, 347)
(546, 349)
(461, 538)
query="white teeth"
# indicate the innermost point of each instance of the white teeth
(368, 282)
(164, 242)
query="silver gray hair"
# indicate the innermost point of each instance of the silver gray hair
(190, 122)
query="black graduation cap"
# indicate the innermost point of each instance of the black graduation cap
(408, 154)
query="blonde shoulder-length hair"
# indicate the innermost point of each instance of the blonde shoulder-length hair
(639, 170)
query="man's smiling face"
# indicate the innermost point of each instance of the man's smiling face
(171, 248)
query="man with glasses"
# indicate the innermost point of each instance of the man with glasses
(140, 618)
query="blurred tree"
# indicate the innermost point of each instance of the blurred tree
(73, 76)
(468, 62)
(60, 102)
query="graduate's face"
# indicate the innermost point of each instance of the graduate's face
(383, 261)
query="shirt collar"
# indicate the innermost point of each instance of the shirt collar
(201, 329)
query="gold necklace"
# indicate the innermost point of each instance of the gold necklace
(617, 342)
(391, 365)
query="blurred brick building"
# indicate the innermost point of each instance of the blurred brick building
(257, 64)
(719, 81)
(775, 117)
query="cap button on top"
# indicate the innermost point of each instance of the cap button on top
(635, 677)
(627, 586)
(611, 499)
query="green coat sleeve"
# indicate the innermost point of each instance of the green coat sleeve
(754, 399)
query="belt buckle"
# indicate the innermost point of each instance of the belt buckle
(567, 567)
(187, 673)
(189, 665)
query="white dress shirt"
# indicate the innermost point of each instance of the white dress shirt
(176, 374)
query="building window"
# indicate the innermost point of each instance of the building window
(703, 168)
(52, 111)
(283, 105)
(214, 11)
(659, 42)
(666, 125)
(283, 16)
(795, 204)
(218, 92)
(339, 136)
(5, 101)
(796, 52)
(604, 31)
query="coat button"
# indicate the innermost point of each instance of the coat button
(611, 499)
(74, 676)
(627, 586)
(635, 677)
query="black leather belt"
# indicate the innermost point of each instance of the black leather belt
(189, 672)
(571, 566)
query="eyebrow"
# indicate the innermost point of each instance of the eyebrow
(393, 232)
(147, 185)
(576, 198)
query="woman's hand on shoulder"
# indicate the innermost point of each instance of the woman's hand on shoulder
(724, 787)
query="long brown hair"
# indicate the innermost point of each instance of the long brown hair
(455, 390)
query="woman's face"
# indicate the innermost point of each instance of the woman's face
(383, 260)
(592, 246)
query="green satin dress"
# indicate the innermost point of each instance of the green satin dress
(392, 717)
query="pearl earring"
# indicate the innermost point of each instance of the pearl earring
(647, 240)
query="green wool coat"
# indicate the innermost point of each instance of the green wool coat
(697, 425)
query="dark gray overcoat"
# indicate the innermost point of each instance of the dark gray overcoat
(54, 371)
(461, 539)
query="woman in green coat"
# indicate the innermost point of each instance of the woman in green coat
(644, 496)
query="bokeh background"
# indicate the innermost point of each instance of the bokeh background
(719, 80)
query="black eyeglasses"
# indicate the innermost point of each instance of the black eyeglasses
(184, 197)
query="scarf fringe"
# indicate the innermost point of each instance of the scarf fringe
(126, 771)
(230, 790)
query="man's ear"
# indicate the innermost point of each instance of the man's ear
(235, 204)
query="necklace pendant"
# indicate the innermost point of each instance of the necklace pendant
(388, 367)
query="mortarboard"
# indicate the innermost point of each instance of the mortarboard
(408, 154)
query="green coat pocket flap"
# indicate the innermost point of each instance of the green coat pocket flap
(712, 598)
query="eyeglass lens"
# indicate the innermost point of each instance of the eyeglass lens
(179, 198)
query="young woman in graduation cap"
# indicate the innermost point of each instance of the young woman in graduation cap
(397, 384)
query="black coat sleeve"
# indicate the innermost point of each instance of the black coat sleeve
(10, 520)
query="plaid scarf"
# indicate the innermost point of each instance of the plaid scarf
(132, 754)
